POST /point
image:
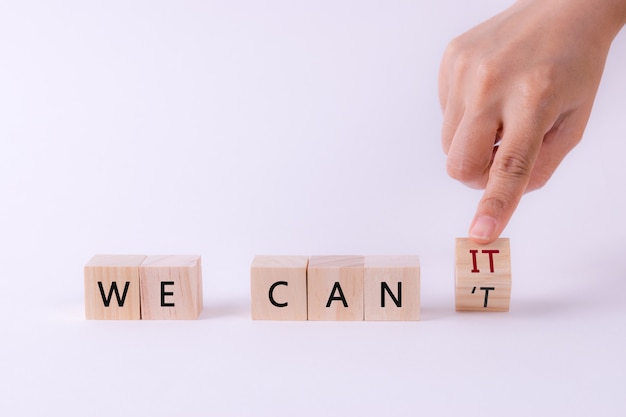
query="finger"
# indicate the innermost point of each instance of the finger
(557, 143)
(443, 89)
(471, 150)
(444, 78)
(508, 178)
(452, 106)
(451, 118)
(452, 94)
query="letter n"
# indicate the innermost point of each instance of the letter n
(385, 288)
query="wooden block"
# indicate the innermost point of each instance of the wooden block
(392, 288)
(112, 287)
(483, 275)
(278, 287)
(335, 287)
(171, 287)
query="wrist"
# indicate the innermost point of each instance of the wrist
(600, 20)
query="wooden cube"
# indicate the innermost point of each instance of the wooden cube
(335, 287)
(483, 275)
(171, 287)
(112, 287)
(278, 287)
(392, 288)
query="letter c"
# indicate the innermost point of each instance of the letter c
(271, 294)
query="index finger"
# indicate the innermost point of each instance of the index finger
(508, 178)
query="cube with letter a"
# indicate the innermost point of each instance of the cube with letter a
(335, 287)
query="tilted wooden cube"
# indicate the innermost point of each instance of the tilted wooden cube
(112, 287)
(483, 275)
(278, 286)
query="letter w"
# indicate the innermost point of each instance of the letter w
(107, 299)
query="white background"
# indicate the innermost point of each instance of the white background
(234, 128)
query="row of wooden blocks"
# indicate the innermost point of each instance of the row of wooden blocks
(133, 287)
(136, 287)
(374, 287)
(335, 288)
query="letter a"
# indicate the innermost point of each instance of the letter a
(332, 297)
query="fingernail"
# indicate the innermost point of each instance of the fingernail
(483, 228)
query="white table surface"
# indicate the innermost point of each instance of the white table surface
(235, 128)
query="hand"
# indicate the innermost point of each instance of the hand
(528, 76)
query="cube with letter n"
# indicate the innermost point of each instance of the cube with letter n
(392, 287)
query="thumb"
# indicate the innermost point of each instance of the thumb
(508, 178)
